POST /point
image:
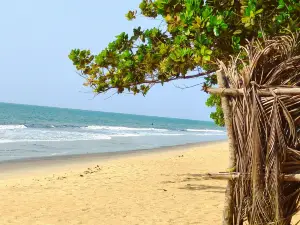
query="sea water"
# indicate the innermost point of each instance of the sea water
(34, 131)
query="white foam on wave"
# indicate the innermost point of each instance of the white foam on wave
(171, 134)
(58, 138)
(211, 134)
(126, 135)
(59, 153)
(53, 140)
(42, 135)
(205, 130)
(145, 134)
(12, 127)
(18, 133)
(113, 128)
(6, 141)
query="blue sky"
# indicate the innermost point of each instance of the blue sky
(36, 38)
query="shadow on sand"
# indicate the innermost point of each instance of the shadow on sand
(199, 187)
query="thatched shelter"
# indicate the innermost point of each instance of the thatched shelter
(260, 92)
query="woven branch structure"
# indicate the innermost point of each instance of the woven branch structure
(262, 90)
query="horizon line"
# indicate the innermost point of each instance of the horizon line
(91, 110)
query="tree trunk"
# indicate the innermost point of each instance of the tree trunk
(228, 205)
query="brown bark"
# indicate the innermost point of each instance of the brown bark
(228, 205)
(261, 92)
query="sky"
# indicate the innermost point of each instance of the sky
(36, 38)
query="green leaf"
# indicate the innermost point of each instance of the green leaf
(202, 50)
(130, 15)
(216, 31)
(213, 20)
(259, 11)
(279, 19)
(219, 20)
(224, 26)
(143, 5)
(208, 52)
(206, 58)
(281, 4)
(245, 19)
(247, 24)
(237, 32)
(206, 12)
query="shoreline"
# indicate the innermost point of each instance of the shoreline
(27, 165)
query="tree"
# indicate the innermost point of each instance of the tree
(194, 34)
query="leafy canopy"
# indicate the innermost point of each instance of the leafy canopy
(193, 35)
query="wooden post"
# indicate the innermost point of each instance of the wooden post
(228, 205)
(261, 92)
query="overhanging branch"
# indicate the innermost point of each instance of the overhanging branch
(156, 81)
(176, 78)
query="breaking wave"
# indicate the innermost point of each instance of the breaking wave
(12, 127)
(113, 128)
(205, 130)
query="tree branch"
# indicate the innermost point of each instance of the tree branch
(156, 81)
(186, 87)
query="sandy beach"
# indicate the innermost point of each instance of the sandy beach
(158, 187)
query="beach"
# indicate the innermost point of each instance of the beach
(146, 187)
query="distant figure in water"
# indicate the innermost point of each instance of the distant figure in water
(152, 124)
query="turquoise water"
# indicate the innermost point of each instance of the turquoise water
(35, 131)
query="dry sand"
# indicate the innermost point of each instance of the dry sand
(144, 188)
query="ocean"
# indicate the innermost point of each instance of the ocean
(34, 131)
